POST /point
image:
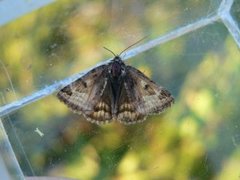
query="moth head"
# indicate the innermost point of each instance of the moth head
(116, 66)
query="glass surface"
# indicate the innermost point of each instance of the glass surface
(235, 12)
(197, 138)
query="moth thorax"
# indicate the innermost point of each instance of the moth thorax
(116, 69)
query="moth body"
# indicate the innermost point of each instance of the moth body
(115, 91)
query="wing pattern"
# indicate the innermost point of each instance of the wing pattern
(115, 92)
(88, 96)
(141, 97)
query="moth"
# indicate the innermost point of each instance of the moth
(115, 91)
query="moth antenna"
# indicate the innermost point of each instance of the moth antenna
(133, 45)
(110, 51)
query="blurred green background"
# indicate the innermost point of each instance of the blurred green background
(198, 138)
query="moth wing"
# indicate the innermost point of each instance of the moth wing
(140, 97)
(127, 112)
(153, 99)
(89, 96)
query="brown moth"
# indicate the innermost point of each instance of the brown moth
(115, 91)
